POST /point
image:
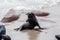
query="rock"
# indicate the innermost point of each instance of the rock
(10, 16)
(39, 13)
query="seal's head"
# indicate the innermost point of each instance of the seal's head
(30, 15)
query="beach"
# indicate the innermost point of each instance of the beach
(51, 22)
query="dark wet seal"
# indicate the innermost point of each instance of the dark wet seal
(40, 14)
(57, 37)
(10, 19)
(3, 33)
(27, 26)
(31, 22)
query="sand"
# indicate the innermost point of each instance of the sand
(51, 22)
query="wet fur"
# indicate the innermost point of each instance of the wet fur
(31, 22)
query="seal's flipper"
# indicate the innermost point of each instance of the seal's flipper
(43, 28)
(21, 29)
(17, 29)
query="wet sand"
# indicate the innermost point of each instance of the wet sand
(52, 23)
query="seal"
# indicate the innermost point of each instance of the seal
(3, 33)
(31, 22)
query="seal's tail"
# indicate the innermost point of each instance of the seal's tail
(17, 29)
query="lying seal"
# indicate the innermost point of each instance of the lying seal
(57, 37)
(3, 33)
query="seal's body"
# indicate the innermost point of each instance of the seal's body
(31, 22)
(3, 33)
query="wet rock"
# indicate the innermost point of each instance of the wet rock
(58, 37)
(10, 16)
(39, 13)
